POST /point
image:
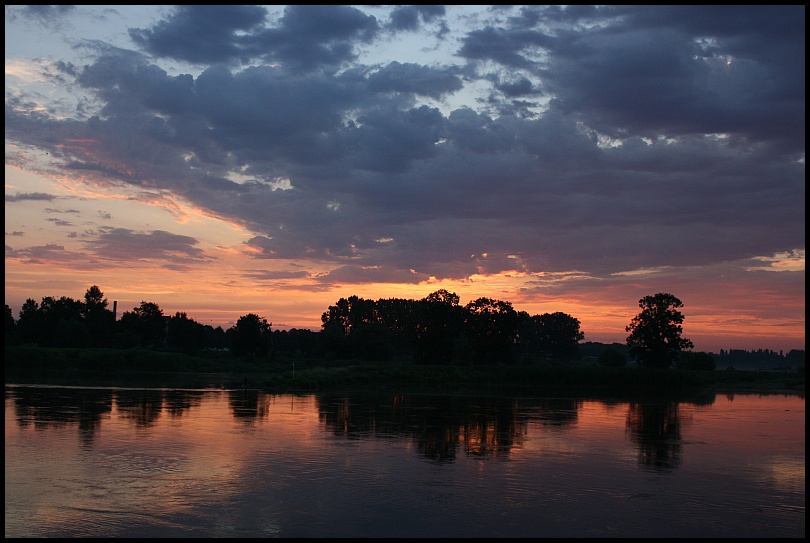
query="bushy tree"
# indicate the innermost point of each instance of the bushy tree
(185, 334)
(549, 336)
(147, 323)
(655, 333)
(250, 336)
(492, 328)
(62, 323)
(559, 335)
(350, 312)
(438, 323)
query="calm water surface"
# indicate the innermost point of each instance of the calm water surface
(111, 462)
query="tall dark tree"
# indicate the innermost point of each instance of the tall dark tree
(62, 323)
(438, 323)
(29, 323)
(94, 300)
(185, 334)
(250, 336)
(100, 320)
(655, 333)
(11, 326)
(147, 323)
(492, 329)
(350, 312)
(559, 335)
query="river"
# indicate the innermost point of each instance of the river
(116, 462)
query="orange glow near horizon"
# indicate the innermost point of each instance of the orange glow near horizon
(231, 280)
(299, 303)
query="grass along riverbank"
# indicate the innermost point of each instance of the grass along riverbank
(138, 367)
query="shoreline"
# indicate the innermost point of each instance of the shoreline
(139, 368)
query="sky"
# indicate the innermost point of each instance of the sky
(226, 160)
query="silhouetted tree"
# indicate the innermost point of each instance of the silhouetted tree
(334, 342)
(350, 312)
(10, 324)
(558, 335)
(147, 323)
(94, 300)
(62, 323)
(689, 360)
(250, 335)
(398, 316)
(492, 328)
(371, 341)
(215, 338)
(438, 323)
(185, 334)
(100, 320)
(655, 333)
(29, 323)
(296, 342)
(795, 358)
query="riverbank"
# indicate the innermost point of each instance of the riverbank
(146, 368)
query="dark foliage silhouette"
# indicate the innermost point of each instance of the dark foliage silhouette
(655, 333)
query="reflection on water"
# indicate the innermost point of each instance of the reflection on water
(174, 462)
(656, 430)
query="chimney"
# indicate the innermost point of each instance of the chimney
(115, 310)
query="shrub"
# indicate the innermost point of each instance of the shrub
(689, 360)
(612, 358)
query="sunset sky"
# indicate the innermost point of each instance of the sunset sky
(225, 160)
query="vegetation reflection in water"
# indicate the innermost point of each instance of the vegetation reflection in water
(439, 426)
(239, 426)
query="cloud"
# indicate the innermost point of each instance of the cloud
(305, 38)
(20, 196)
(52, 254)
(413, 78)
(44, 14)
(270, 275)
(375, 274)
(126, 245)
(635, 144)
(407, 18)
(206, 34)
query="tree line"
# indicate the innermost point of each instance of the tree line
(435, 329)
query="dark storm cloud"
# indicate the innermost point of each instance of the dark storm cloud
(653, 150)
(507, 47)
(407, 18)
(305, 38)
(413, 78)
(673, 69)
(206, 34)
(519, 87)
